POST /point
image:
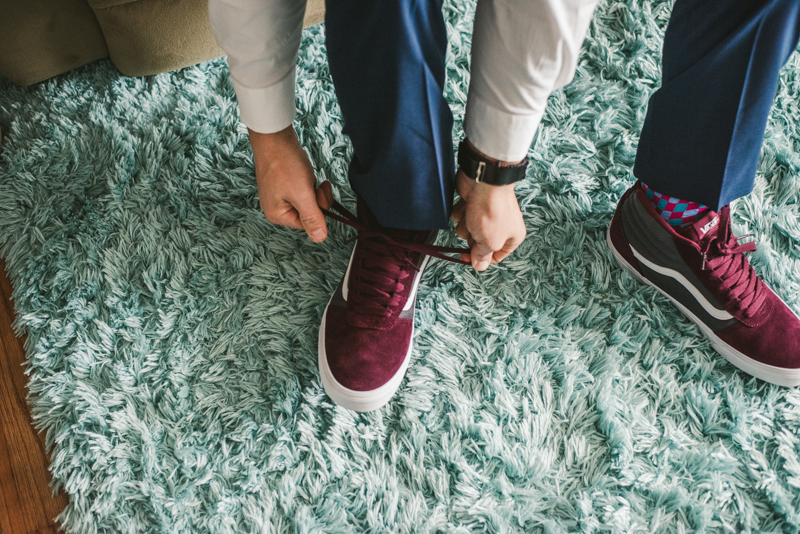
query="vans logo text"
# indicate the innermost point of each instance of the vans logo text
(709, 225)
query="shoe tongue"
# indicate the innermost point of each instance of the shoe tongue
(701, 229)
(362, 317)
(365, 214)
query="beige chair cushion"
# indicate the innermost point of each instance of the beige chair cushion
(315, 13)
(42, 38)
(151, 36)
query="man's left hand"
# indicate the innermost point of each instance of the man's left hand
(489, 218)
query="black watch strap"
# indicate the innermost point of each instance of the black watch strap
(482, 170)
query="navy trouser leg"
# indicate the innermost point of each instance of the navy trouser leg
(704, 128)
(387, 61)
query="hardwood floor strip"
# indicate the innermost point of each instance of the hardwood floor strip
(25, 491)
(12, 519)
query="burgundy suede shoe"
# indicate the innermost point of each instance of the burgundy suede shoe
(703, 270)
(365, 339)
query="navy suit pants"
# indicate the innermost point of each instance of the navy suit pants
(704, 128)
(701, 138)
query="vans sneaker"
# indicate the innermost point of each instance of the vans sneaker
(702, 269)
(365, 339)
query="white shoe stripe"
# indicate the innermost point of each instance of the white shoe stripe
(763, 371)
(417, 278)
(347, 274)
(722, 315)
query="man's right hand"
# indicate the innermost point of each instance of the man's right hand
(286, 183)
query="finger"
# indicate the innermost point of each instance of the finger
(281, 213)
(481, 255)
(510, 246)
(467, 256)
(461, 229)
(511, 243)
(324, 195)
(289, 218)
(458, 211)
(311, 217)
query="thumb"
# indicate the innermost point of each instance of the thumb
(311, 217)
(481, 256)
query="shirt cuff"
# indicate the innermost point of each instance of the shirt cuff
(268, 109)
(499, 134)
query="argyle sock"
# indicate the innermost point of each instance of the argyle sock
(675, 211)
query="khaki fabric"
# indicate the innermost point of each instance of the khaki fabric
(42, 38)
(152, 36)
(315, 13)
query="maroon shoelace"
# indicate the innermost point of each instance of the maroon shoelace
(723, 258)
(379, 289)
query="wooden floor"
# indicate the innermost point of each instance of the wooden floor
(26, 503)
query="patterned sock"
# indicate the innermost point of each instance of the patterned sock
(675, 211)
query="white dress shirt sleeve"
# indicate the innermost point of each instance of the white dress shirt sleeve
(261, 38)
(522, 50)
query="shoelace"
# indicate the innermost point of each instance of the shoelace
(723, 258)
(379, 288)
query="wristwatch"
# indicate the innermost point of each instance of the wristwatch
(484, 171)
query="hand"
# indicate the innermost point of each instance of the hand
(286, 183)
(489, 218)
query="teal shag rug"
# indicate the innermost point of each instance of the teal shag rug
(172, 331)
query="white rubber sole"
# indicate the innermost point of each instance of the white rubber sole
(762, 371)
(359, 401)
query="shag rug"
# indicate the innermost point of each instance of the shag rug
(172, 331)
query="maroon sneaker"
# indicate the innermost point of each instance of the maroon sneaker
(365, 339)
(703, 270)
